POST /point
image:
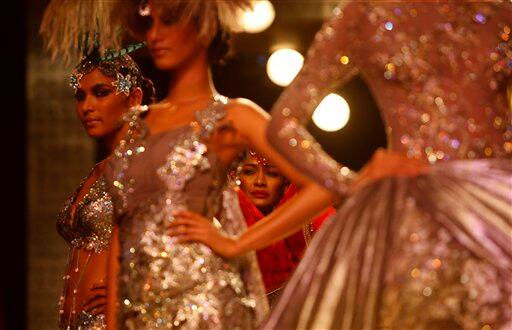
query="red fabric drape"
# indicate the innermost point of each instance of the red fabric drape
(280, 259)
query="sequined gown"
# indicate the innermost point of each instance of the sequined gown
(425, 252)
(87, 230)
(179, 286)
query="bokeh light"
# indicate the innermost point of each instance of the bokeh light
(259, 17)
(332, 114)
(283, 65)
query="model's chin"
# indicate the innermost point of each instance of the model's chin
(261, 203)
(164, 63)
(95, 132)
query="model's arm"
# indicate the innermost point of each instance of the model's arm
(112, 275)
(250, 124)
(330, 62)
(325, 179)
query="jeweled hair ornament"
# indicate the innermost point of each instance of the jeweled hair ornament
(114, 64)
(123, 84)
(259, 159)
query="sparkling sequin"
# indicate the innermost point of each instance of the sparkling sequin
(344, 60)
(441, 99)
(480, 18)
(88, 231)
(208, 118)
(431, 112)
(91, 322)
(186, 286)
(137, 130)
(92, 226)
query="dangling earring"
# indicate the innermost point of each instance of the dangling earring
(238, 182)
(144, 8)
(234, 178)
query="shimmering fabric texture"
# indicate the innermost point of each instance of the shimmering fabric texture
(91, 227)
(438, 73)
(91, 322)
(88, 231)
(392, 257)
(427, 252)
(185, 286)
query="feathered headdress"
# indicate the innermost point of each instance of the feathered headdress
(72, 28)
(208, 15)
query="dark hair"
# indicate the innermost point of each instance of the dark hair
(148, 91)
(243, 156)
(220, 48)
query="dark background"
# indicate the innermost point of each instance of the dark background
(45, 152)
(13, 166)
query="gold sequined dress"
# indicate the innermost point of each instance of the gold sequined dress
(179, 286)
(87, 230)
(427, 252)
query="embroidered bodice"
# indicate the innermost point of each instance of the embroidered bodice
(91, 224)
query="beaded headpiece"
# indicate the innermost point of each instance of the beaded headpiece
(72, 28)
(236, 169)
(113, 64)
(259, 159)
(237, 165)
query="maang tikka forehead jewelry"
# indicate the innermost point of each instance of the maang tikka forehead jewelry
(259, 159)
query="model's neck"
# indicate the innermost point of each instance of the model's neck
(111, 140)
(191, 81)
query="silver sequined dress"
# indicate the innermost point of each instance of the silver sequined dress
(429, 252)
(87, 230)
(181, 286)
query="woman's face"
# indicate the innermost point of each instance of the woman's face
(98, 106)
(171, 43)
(261, 181)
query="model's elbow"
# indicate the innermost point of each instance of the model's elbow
(271, 135)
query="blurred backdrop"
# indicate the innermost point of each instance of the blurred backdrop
(58, 152)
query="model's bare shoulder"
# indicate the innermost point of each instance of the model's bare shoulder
(245, 109)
